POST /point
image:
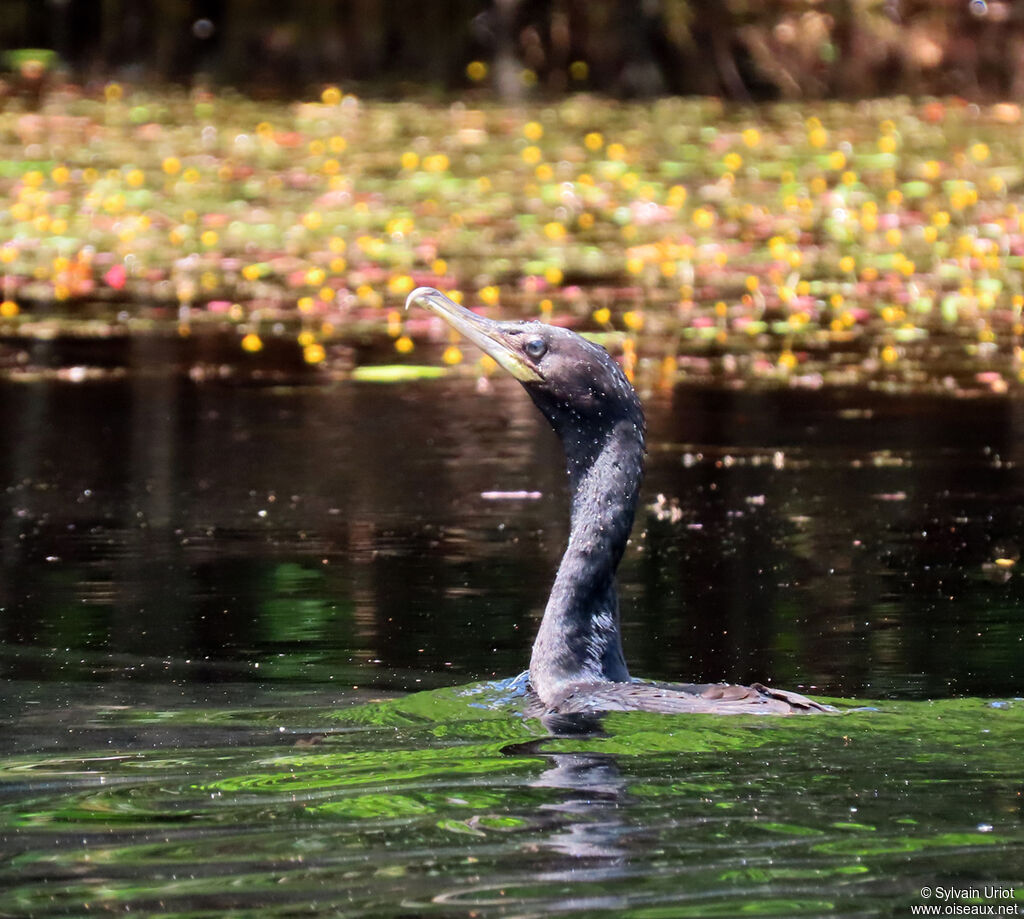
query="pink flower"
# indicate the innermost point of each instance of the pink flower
(116, 277)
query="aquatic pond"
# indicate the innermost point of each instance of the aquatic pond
(257, 643)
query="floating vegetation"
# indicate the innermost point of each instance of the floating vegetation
(874, 243)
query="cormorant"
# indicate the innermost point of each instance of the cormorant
(577, 663)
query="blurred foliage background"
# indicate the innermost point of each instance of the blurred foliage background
(736, 49)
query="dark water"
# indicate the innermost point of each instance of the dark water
(206, 589)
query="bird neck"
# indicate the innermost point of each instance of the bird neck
(579, 637)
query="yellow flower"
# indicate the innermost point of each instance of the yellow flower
(533, 131)
(400, 285)
(732, 161)
(544, 172)
(676, 196)
(252, 272)
(602, 315)
(579, 70)
(252, 343)
(9, 309)
(209, 238)
(135, 178)
(314, 353)
(634, 265)
(554, 231)
(312, 220)
(331, 95)
(616, 152)
(887, 143)
(553, 275)
(817, 137)
(476, 71)
(306, 304)
(633, 320)
(113, 92)
(489, 294)
(531, 155)
(452, 355)
(787, 360)
(890, 354)
(410, 160)
(337, 144)
(593, 141)
(931, 170)
(703, 218)
(847, 264)
(751, 283)
(979, 152)
(315, 277)
(751, 137)
(403, 344)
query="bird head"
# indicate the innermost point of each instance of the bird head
(574, 382)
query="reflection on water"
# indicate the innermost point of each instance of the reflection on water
(158, 529)
(428, 806)
(206, 590)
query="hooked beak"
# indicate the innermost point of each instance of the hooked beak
(485, 333)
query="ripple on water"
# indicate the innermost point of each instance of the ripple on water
(430, 806)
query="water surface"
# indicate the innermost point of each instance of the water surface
(215, 597)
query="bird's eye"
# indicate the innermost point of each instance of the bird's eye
(536, 348)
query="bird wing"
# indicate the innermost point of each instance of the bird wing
(677, 698)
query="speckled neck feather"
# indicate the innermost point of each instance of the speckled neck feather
(579, 639)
